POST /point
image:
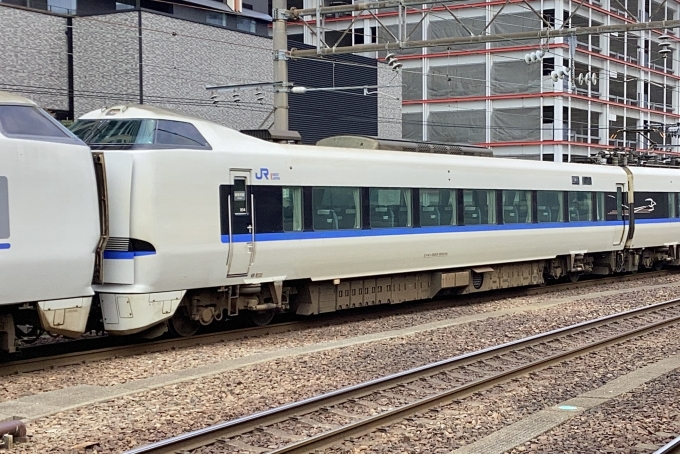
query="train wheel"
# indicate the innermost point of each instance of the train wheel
(261, 318)
(181, 324)
(574, 277)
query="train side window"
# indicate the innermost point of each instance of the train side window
(479, 206)
(336, 208)
(550, 206)
(672, 205)
(390, 207)
(600, 209)
(516, 207)
(580, 206)
(437, 207)
(292, 209)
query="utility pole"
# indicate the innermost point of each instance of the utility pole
(280, 43)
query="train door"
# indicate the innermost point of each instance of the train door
(241, 224)
(619, 236)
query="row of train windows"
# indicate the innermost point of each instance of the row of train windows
(340, 208)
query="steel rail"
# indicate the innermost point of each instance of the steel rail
(13, 367)
(67, 359)
(209, 435)
(672, 447)
(40, 363)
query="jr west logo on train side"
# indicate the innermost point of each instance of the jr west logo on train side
(265, 174)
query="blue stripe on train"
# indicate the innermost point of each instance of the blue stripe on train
(324, 234)
(4, 245)
(122, 255)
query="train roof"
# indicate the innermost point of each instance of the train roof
(213, 132)
(10, 98)
(136, 111)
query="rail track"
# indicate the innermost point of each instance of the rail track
(673, 447)
(329, 419)
(81, 354)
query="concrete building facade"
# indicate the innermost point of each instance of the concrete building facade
(72, 64)
(488, 94)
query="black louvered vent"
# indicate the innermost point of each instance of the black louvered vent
(118, 244)
(317, 115)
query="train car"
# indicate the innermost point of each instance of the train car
(655, 215)
(207, 223)
(49, 224)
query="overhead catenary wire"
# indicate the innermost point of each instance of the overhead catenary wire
(333, 62)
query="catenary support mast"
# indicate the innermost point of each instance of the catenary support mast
(280, 43)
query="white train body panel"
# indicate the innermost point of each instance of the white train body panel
(50, 219)
(658, 227)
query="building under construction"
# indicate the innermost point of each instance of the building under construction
(546, 99)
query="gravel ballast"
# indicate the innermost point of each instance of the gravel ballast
(148, 416)
(142, 417)
(117, 371)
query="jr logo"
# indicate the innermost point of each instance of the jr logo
(264, 174)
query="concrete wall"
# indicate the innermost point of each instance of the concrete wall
(182, 57)
(389, 103)
(34, 56)
(179, 59)
(105, 61)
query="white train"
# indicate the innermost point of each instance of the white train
(206, 222)
(49, 224)
(197, 222)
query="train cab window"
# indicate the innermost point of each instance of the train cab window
(517, 207)
(479, 206)
(390, 207)
(580, 206)
(140, 133)
(83, 128)
(437, 207)
(28, 122)
(550, 206)
(600, 206)
(336, 208)
(672, 206)
(179, 134)
(292, 209)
